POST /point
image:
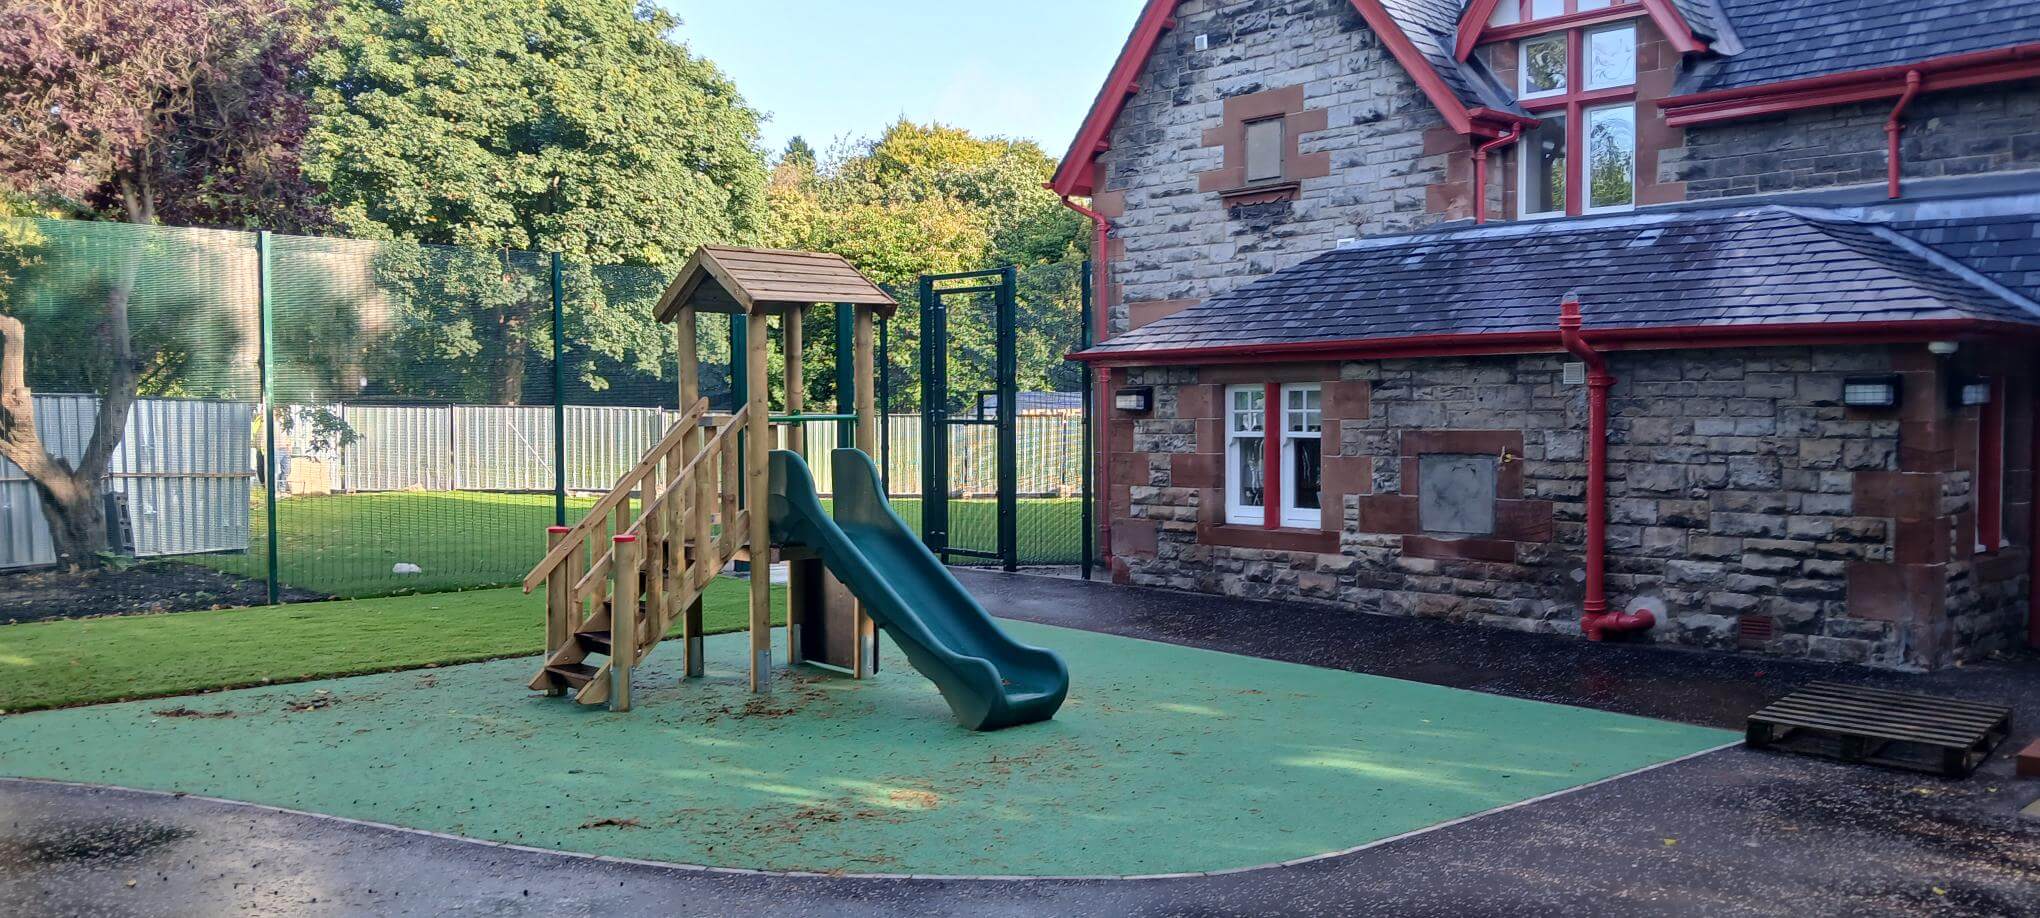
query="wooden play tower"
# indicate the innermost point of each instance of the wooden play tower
(642, 558)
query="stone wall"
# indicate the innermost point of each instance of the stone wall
(1967, 132)
(1760, 512)
(1174, 242)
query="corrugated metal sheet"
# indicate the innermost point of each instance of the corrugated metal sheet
(184, 466)
(397, 449)
(502, 448)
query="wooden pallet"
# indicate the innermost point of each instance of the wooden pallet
(1856, 724)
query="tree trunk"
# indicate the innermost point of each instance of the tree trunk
(70, 495)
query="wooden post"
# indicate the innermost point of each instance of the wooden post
(757, 479)
(864, 656)
(623, 618)
(559, 628)
(791, 346)
(699, 503)
(792, 343)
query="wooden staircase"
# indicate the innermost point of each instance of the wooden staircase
(640, 560)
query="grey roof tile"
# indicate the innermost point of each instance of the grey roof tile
(1792, 40)
(1764, 264)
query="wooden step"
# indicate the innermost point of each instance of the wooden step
(573, 674)
(594, 641)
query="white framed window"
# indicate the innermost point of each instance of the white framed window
(1610, 182)
(1246, 439)
(1542, 71)
(1610, 58)
(1303, 423)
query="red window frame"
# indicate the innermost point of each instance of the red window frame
(1525, 27)
(1573, 103)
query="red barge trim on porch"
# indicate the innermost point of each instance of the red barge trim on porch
(1667, 337)
(1956, 71)
(1101, 328)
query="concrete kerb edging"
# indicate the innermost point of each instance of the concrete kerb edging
(808, 874)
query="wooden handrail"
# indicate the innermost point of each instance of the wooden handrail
(723, 439)
(616, 496)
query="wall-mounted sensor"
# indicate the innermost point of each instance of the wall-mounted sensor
(1203, 42)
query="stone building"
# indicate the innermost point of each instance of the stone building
(1698, 321)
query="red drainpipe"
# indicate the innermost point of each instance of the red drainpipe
(1595, 619)
(1893, 127)
(2033, 533)
(1480, 153)
(1101, 321)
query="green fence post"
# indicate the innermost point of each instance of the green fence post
(1007, 369)
(740, 395)
(884, 364)
(1084, 335)
(559, 335)
(846, 373)
(267, 350)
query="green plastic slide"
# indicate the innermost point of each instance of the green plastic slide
(990, 680)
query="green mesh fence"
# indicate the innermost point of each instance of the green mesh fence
(430, 410)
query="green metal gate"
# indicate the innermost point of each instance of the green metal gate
(968, 536)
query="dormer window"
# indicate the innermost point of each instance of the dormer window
(1581, 85)
(1511, 12)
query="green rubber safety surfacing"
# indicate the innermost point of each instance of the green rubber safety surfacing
(1165, 759)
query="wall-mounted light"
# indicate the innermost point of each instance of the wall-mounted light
(1870, 391)
(1136, 400)
(1966, 391)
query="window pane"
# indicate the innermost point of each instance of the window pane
(1544, 66)
(1611, 138)
(1544, 167)
(1588, 5)
(1264, 150)
(1611, 58)
(1540, 9)
(1304, 412)
(1507, 12)
(1248, 490)
(1305, 474)
(1246, 410)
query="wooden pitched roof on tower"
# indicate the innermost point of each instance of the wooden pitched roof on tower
(738, 280)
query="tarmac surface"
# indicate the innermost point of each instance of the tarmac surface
(1734, 832)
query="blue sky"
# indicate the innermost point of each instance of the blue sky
(826, 69)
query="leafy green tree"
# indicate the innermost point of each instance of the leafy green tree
(134, 110)
(931, 199)
(571, 126)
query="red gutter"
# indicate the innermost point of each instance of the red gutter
(1894, 127)
(1480, 153)
(1101, 325)
(1672, 337)
(1955, 71)
(1595, 620)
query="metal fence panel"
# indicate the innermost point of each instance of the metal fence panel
(397, 449)
(184, 466)
(502, 448)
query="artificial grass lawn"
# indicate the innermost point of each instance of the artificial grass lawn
(1165, 759)
(86, 661)
(346, 545)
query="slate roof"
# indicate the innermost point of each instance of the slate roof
(1432, 26)
(1763, 264)
(2004, 248)
(1784, 40)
